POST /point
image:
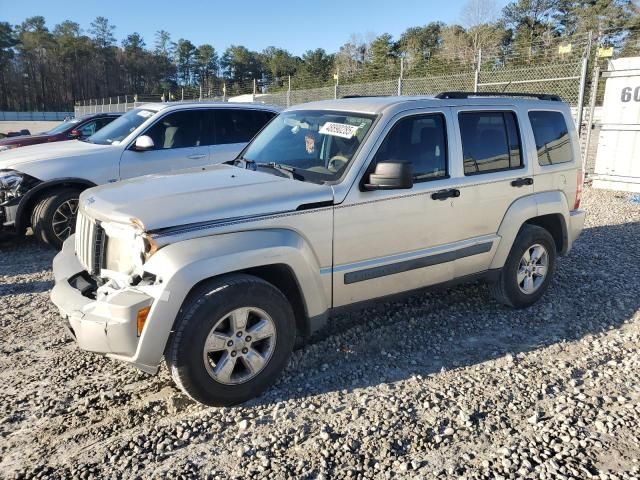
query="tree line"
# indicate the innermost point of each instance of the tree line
(43, 68)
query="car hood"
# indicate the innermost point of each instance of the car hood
(20, 139)
(31, 154)
(218, 192)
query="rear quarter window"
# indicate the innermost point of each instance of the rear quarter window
(553, 142)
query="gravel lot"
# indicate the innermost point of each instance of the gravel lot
(447, 384)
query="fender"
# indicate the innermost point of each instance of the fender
(523, 209)
(24, 209)
(181, 266)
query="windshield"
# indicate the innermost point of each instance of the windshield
(318, 145)
(63, 127)
(121, 127)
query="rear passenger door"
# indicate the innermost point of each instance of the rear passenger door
(493, 173)
(180, 141)
(233, 128)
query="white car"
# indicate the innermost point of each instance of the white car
(40, 184)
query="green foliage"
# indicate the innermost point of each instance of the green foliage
(43, 68)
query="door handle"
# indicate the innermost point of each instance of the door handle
(522, 181)
(444, 194)
(196, 156)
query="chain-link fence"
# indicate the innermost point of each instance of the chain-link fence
(561, 66)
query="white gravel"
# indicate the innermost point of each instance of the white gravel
(447, 384)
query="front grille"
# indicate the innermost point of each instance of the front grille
(90, 243)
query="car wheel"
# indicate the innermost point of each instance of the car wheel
(528, 270)
(232, 339)
(53, 219)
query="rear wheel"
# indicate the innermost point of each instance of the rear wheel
(232, 339)
(53, 218)
(528, 270)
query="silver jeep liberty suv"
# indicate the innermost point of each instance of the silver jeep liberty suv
(335, 203)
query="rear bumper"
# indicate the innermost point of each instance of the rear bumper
(576, 224)
(106, 326)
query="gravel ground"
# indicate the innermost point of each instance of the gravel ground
(447, 384)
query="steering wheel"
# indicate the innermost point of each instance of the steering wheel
(337, 162)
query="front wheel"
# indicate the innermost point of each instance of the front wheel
(528, 270)
(232, 339)
(53, 218)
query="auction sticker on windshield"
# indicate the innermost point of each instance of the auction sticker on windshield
(339, 129)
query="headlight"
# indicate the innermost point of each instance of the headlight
(14, 184)
(127, 248)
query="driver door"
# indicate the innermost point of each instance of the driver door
(390, 241)
(181, 140)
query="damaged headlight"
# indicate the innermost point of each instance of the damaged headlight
(14, 184)
(127, 248)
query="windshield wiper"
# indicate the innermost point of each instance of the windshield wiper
(286, 170)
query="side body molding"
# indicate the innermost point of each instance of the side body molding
(523, 209)
(182, 265)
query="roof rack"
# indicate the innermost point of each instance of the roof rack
(539, 96)
(363, 96)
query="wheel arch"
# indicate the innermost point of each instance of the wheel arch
(23, 214)
(279, 256)
(548, 210)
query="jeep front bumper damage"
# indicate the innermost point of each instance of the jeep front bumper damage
(106, 326)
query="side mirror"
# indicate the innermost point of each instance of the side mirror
(393, 175)
(75, 133)
(143, 142)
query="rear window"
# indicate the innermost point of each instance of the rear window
(239, 126)
(552, 137)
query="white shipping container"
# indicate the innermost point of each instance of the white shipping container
(618, 158)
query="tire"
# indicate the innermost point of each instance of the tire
(507, 289)
(207, 310)
(42, 216)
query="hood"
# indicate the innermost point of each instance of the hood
(27, 139)
(198, 195)
(32, 154)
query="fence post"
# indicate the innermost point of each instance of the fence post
(476, 78)
(289, 93)
(200, 92)
(335, 88)
(592, 108)
(583, 84)
(401, 75)
(253, 96)
(224, 91)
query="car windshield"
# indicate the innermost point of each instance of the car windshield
(63, 127)
(316, 145)
(121, 127)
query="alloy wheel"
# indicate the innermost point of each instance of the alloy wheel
(239, 345)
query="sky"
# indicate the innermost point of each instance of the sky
(297, 25)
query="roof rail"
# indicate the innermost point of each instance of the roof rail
(539, 96)
(363, 96)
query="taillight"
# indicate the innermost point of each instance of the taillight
(580, 180)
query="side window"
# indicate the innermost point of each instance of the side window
(420, 140)
(178, 130)
(88, 129)
(238, 126)
(490, 141)
(552, 137)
